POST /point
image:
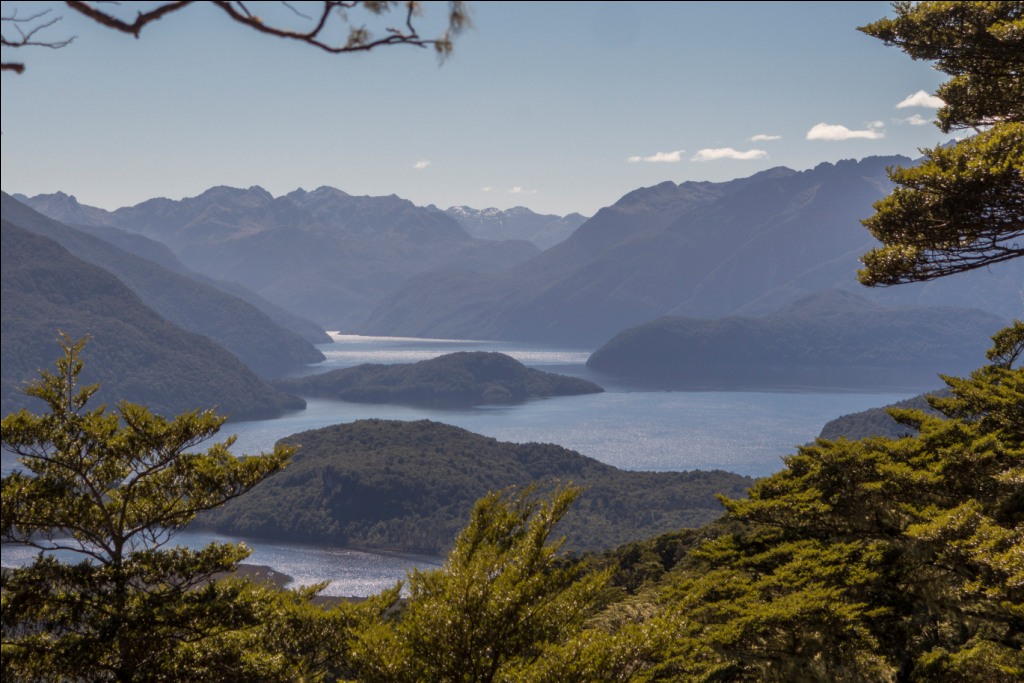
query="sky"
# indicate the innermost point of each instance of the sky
(559, 107)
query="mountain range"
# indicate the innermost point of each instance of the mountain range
(517, 223)
(744, 247)
(194, 305)
(324, 255)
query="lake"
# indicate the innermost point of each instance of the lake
(740, 431)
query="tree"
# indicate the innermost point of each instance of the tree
(875, 559)
(502, 600)
(962, 207)
(328, 28)
(112, 489)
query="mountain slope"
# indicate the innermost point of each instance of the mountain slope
(748, 246)
(833, 339)
(517, 223)
(134, 354)
(197, 307)
(325, 255)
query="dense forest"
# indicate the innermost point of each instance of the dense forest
(409, 486)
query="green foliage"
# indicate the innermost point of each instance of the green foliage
(1007, 346)
(876, 421)
(979, 44)
(498, 604)
(963, 207)
(113, 489)
(411, 485)
(875, 559)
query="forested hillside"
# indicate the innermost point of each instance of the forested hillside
(135, 354)
(409, 486)
(250, 334)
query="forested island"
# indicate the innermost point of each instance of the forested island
(466, 378)
(409, 486)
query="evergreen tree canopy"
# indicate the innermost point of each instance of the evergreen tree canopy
(878, 559)
(962, 207)
(113, 488)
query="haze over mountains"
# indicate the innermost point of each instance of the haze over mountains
(249, 333)
(325, 255)
(380, 265)
(517, 223)
(134, 353)
(744, 247)
(827, 340)
(738, 250)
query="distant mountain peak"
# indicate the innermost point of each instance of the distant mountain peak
(516, 223)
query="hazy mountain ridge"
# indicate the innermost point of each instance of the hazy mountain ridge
(244, 330)
(834, 338)
(750, 245)
(466, 378)
(134, 354)
(382, 266)
(65, 209)
(325, 255)
(517, 223)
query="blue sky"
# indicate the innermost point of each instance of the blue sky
(560, 107)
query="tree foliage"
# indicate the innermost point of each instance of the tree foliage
(112, 489)
(330, 27)
(878, 559)
(962, 207)
(498, 603)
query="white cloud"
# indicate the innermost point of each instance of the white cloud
(662, 157)
(921, 99)
(829, 131)
(916, 120)
(728, 153)
(519, 189)
(487, 188)
(762, 137)
(421, 164)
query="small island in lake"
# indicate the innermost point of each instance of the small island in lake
(465, 378)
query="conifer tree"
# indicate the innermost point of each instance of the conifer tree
(962, 207)
(111, 489)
